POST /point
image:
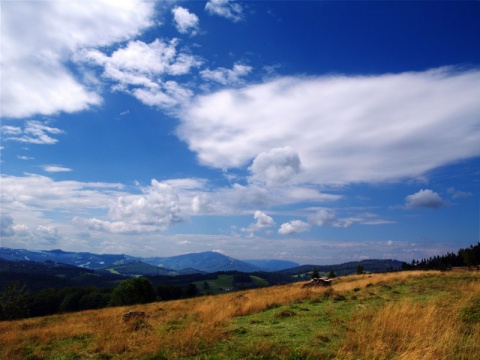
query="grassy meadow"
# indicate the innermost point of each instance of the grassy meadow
(403, 315)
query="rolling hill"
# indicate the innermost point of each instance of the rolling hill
(272, 264)
(373, 265)
(208, 261)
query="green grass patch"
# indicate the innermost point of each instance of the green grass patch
(258, 281)
(316, 328)
(471, 313)
(303, 330)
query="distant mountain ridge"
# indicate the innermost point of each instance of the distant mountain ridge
(203, 262)
(272, 264)
(80, 259)
(372, 265)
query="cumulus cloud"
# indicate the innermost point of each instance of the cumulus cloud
(344, 129)
(263, 222)
(40, 38)
(39, 234)
(276, 166)
(185, 21)
(424, 199)
(155, 210)
(144, 70)
(37, 192)
(201, 204)
(294, 227)
(34, 132)
(225, 76)
(225, 8)
(327, 217)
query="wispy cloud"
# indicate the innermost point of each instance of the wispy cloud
(230, 77)
(34, 132)
(225, 8)
(55, 168)
(457, 194)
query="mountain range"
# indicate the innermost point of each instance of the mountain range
(204, 262)
(194, 263)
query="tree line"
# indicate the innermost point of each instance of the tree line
(468, 257)
(17, 302)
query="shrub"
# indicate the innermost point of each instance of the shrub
(133, 291)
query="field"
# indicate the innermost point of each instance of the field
(403, 315)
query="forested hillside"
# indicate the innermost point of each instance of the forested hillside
(464, 257)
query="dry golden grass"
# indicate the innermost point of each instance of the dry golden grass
(411, 330)
(405, 329)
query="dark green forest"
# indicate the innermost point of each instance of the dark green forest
(469, 257)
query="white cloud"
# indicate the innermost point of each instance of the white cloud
(34, 132)
(239, 198)
(11, 130)
(144, 71)
(45, 235)
(225, 8)
(225, 76)
(155, 210)
(185, 21)
(457, 194)
(38, 193)
(170, 96)
(344, 129)
(6, 225)
(201, 204)
(294, 227)
(55, 168)
(276, 166)
(327, 217)
(38, 40)
(263, 222)
(424, 199)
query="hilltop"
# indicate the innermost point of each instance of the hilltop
(415, 314)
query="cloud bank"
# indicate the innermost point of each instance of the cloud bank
(38, 40)
(344, 129)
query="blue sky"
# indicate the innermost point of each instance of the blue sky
(313, 131)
